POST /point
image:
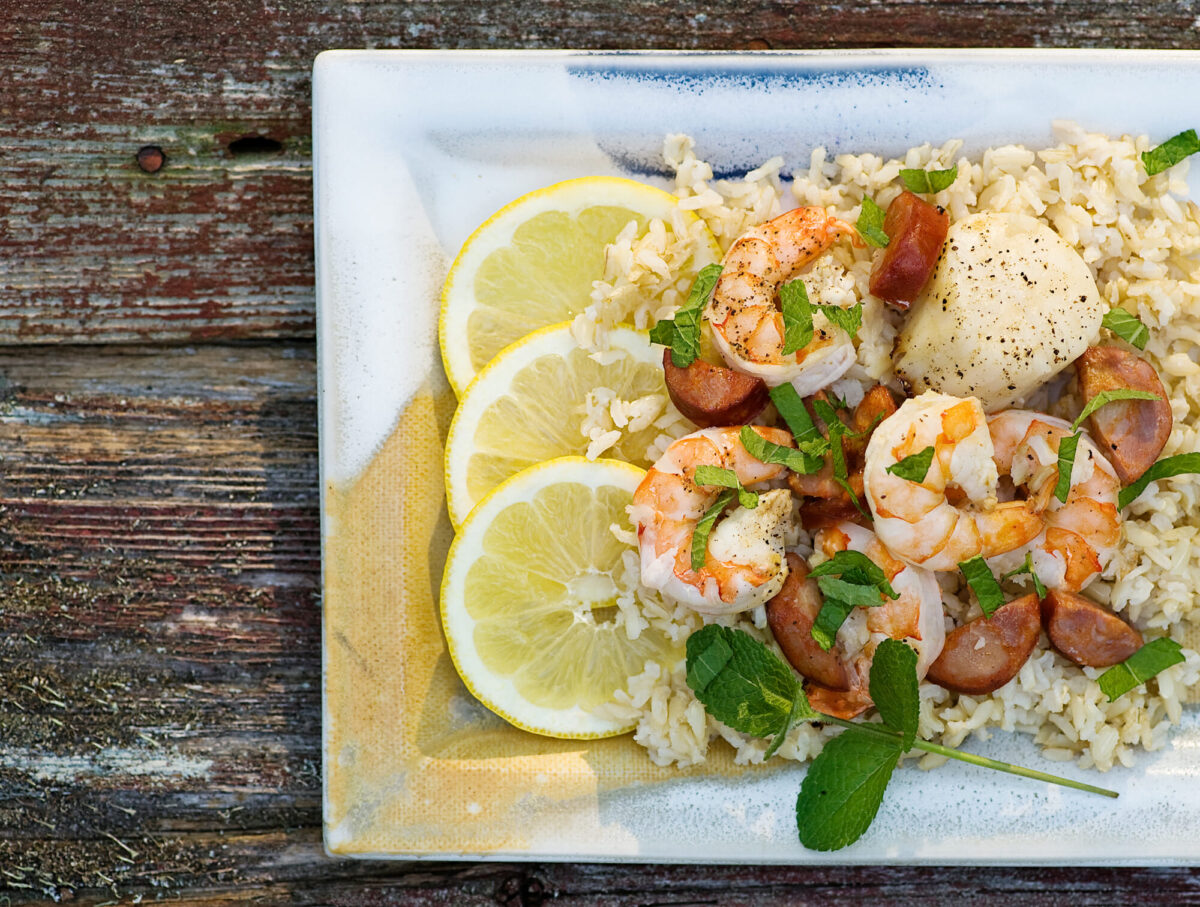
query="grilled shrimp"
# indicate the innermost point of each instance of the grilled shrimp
(747, 326)
(838, 680)
(744, 561)
(953, 514)
(1078, 537)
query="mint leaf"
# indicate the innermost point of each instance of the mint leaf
(1066, 463)
(914, 467)
(1126, 326)
(1111, 396)
(836, 429)
(725, 478)
(1027, 567)
(857, 568)
(843, 788)
(893, 687)
(829, 620)
(849, 320)
(1139, 667)
(865, 596)
(797, 316)
(792, 409)
(870, 223)
(801, 710)
(682, 334)
(1170, 152)
(983, 583)
(704, 528)
(742, 683)
(927, 181)
(1163, 469)
(770, 452)
(863, 583)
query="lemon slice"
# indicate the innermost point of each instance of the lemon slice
(530, 599)
(528, 405)
(533, 262)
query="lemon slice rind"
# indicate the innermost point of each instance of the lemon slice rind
(570, 197)
(498, 692)
(496, 380)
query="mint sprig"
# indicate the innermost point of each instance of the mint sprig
(746, 686)
(682, 332)
(1127, 326)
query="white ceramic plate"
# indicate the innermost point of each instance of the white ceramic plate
(413, 149)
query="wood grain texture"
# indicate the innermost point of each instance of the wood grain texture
(159, 538)
(217, 244)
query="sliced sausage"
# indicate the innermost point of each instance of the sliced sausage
(1131, 433)
(791, 614)
(1086, 633)
(712, 395)
(876, 405)
(986, 653)
(916, 232)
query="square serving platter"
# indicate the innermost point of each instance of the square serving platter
(414, 149)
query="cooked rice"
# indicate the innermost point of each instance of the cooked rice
(1142, 244)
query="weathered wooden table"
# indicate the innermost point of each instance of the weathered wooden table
(159, 544)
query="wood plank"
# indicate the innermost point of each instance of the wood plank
(217, 245)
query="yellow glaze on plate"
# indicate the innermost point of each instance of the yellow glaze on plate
(413, 763)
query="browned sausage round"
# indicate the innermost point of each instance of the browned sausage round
(791, 614)
(916, 232)
(1086, 633)
(713, 395)
(1131, 433)
(986, 653)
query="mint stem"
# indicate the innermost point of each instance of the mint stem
(984, 761)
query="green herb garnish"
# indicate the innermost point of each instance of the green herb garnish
(836, 429)
(1170, 152)
(914, 467)
(794, 413)
(1070, 444)
(1126, 326)
(849, 320)
(870, 223)
(1027, 567)
(862, 583)
(1139, 667)
(744, 685)
(726, 478)
(1066, 463)
(770, 452)
(983, 583)
(682, 332)
(704, 528)
(797, 316)
(1163, 469)
(1111, 396)
(928, 181)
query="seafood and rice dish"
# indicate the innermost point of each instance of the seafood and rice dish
(956, 380)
